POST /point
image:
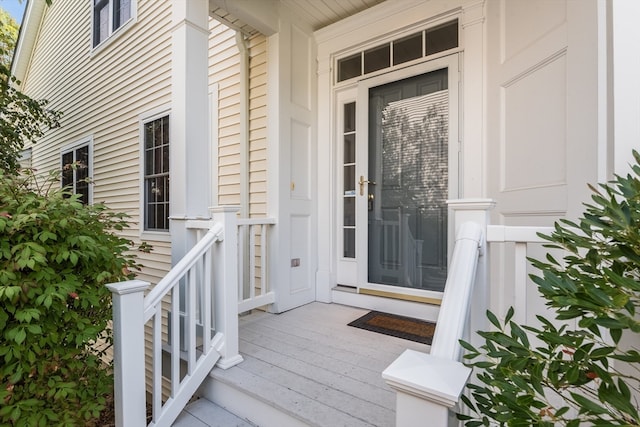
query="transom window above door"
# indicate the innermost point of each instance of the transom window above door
(408, 48)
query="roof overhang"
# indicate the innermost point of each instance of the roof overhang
(34, 10)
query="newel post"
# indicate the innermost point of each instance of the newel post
(225, 283)
(478, 211)
(128, 353)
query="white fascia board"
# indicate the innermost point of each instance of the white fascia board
(27, 37)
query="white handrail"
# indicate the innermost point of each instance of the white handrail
(151, 301)
(456, 300)
(203, 327)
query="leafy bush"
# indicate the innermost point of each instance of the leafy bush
(554, 374)
(56, 255)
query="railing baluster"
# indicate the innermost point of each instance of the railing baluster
(157, 362)
(252, 261)
(207, 301)
(191, 317)
(264, 273)
(520, 283)
(241, 232)
(175, 340)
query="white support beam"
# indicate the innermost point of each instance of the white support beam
(189, 123)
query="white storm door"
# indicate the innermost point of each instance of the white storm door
(406, 168)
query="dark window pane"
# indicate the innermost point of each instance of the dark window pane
(349, 211)
(148, 162)
(377, 58)
(350, 117)
(349, 243)
(350, 67)
(101, 23)
(349, 178)
(165, 130)
(82, 188)
(67, 169)
(82, 162)
(165, 158)
(407, 48)
(350, 148)
(442, 37)
(161, 217)
(151, 218)
(148, 135)
(121, 12)
(157, 162)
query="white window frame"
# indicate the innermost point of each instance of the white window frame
(144, 118)
(72, 148)
(112, 33)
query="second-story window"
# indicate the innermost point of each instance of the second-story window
(108, 16)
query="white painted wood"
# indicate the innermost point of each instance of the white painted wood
(203, 413)
(427, 387)
(128, 358)
(292, 170)
(225, 272)
(307, 367)
(418, 310)
(189, 148)
(625, 84)
(453, 316)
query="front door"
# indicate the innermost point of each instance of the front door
(406, 157)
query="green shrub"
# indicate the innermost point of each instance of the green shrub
(555, 374)
(56, 255)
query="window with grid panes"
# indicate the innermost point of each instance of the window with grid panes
(76, 165)
(156, 174)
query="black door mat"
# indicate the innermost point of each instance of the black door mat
(397, 326)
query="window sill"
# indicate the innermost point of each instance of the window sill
(96, 50)
(155, 236)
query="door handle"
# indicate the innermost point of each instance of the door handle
(363, 182)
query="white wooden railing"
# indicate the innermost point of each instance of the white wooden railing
(429, 385)
(254, 287)
(521, 238)
(197, 301)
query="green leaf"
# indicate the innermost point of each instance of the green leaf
(493, 319)
(20, 336)
(587, 405)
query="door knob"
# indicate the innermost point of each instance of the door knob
(363, 182)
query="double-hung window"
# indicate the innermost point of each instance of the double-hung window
(156, 174)
(76, 170)
(108, 16)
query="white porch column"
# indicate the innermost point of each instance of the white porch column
(473, 161)
(189, 125)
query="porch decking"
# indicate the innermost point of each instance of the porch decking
(307, 367)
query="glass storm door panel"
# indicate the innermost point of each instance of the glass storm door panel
(408, 182)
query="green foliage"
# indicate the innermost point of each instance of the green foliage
(56, 255)
(554, 374)
(22, 119)
(8, 36)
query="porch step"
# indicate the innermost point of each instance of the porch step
(204, 413)
(307, 368)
